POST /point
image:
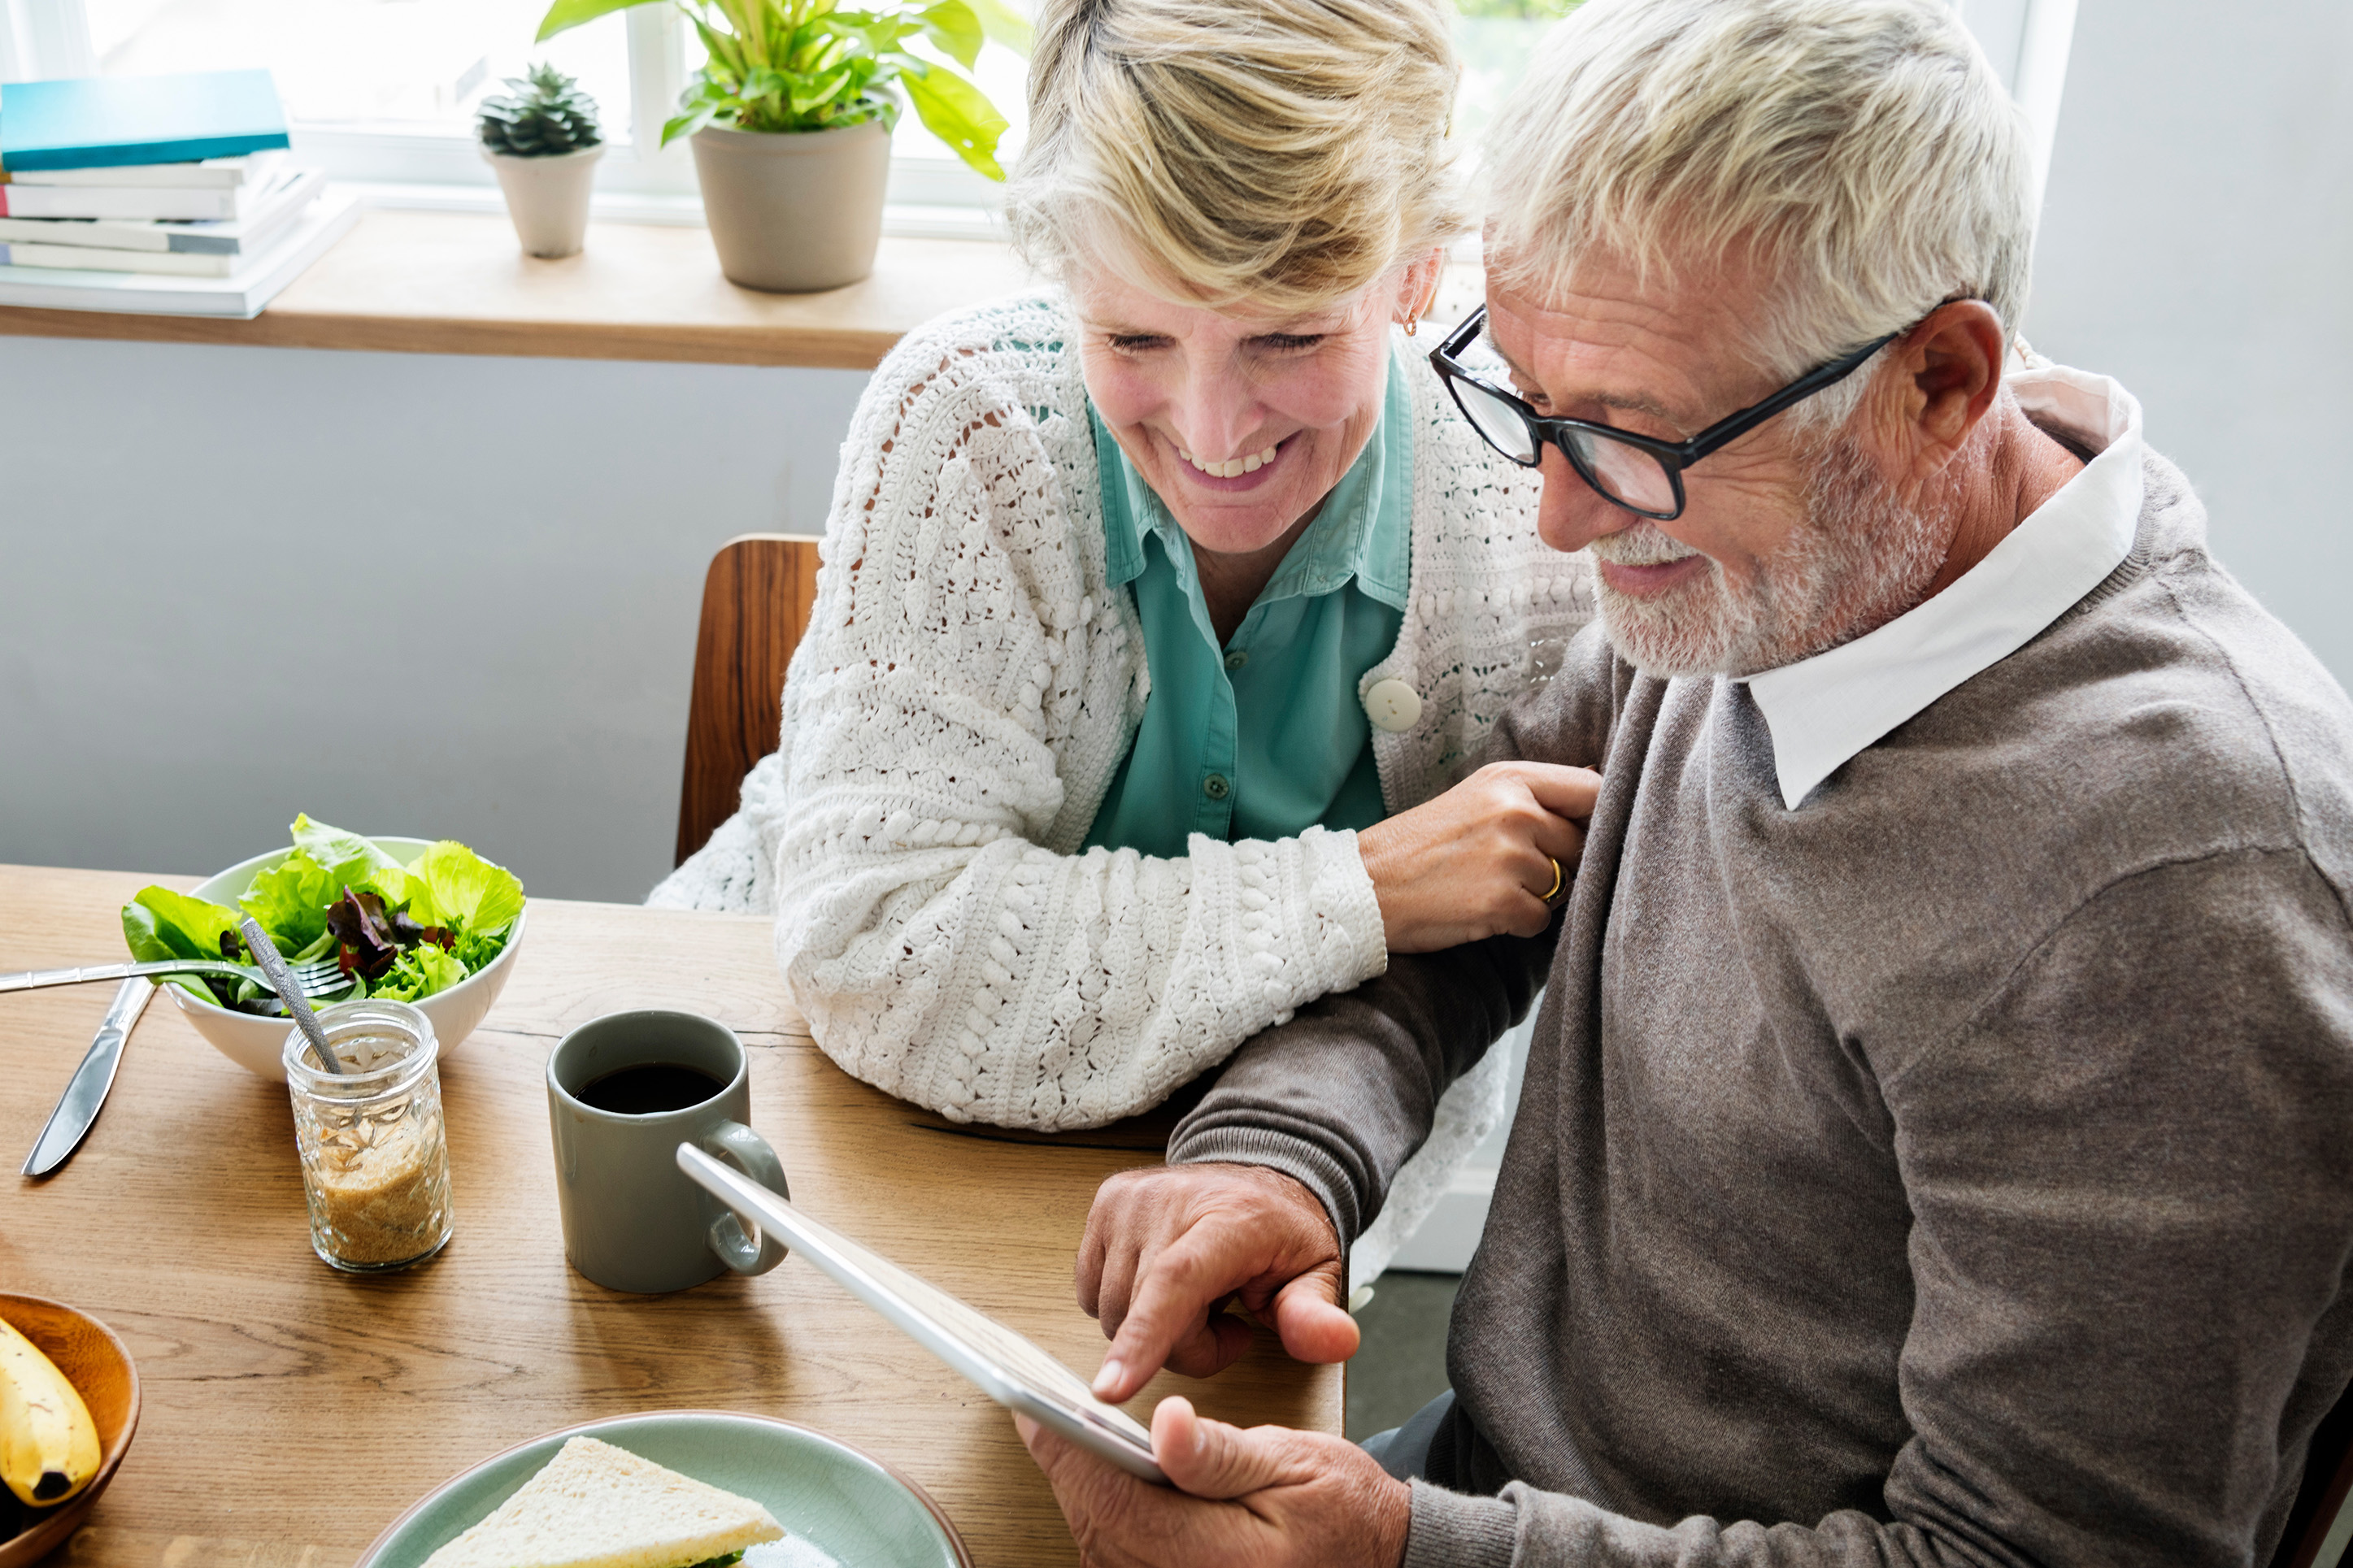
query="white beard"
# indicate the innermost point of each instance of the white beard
(1859, 558)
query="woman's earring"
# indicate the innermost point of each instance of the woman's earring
(1410, 324)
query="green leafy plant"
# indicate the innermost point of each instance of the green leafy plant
(546, 114)
(814, 65)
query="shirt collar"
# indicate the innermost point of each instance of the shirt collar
(1364, 530)
(1825, 710)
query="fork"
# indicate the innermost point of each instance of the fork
(316, 978)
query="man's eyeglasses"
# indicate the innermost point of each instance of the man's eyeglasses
(1642, 475)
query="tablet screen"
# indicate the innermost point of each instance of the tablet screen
(1004, 1365)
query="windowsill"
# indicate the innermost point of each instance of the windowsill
(413, 281)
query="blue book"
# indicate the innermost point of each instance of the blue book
(103, 121)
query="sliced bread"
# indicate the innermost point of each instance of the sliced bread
(597, 1505)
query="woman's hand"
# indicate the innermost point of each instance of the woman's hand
(1477, 861)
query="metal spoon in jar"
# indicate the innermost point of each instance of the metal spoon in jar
(265, 953)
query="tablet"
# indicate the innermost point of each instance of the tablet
(1001, 1363)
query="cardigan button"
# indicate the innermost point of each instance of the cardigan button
(1392, 706)
(1215, 787)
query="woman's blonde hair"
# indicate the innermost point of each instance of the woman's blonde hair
(1280, 152)
(1862, 150)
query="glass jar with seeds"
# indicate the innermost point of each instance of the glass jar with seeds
(375, 1155)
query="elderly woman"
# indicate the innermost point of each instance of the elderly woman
(1149, 600)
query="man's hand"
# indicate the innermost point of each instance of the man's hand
(1167, 1247)
(1265, 1497)
(1477, 861)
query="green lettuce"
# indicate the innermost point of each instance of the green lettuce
(289, 902)
(472, 896)
(401, 889)
(419, 973)
(161, 924)
(347, 856)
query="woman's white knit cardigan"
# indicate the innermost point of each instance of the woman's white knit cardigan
(966, 689)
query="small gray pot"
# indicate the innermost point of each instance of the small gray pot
(548, 197)
(793, 211)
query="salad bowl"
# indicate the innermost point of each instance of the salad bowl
(254, 1042)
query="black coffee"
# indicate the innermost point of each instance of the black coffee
(650, 1089)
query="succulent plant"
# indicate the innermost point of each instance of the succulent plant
(546, 114)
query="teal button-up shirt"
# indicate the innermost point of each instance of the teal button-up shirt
(1265, 736)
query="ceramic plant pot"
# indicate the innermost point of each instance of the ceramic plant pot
(548, 197)
(797, 210)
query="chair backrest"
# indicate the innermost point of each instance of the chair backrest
(2320, 1523)
(756, 605)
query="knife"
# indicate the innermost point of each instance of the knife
(77, 1106)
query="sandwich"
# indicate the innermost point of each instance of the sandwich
(597, 1505)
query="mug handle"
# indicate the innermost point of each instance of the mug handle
(749, 1153)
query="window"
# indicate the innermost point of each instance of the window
(2026, 41)
(416, 65)
(384, 91)
(1495, 39)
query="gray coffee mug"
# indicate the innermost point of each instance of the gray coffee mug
(631, 1220)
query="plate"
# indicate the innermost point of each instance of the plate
(864, 1512)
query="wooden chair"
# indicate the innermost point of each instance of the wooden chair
(755, 604)
(2320, 1510)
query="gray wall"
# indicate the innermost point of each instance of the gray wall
(2196, 244)
(407, 594)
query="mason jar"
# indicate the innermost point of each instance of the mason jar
(375, 1153)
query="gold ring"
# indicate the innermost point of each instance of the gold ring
(1549, 896)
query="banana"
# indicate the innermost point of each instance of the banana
(48, 1444)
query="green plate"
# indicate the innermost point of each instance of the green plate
(857, 1508)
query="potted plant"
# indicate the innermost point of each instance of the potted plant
(791, 119)
(544, 142)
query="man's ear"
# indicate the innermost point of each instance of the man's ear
(1951, 370)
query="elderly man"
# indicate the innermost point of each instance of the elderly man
(1934, 1145)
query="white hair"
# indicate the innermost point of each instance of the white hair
(1860, 155)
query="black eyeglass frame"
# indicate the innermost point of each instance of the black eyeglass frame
(1674, 457)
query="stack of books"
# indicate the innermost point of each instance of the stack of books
(170, 194)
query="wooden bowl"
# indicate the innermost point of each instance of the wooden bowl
(97, 1366)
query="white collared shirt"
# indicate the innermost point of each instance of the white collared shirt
(1825, 709)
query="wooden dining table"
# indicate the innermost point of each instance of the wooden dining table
(291, 1412)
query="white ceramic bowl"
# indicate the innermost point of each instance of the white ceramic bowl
(255, 1043)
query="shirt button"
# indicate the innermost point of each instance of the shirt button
(1392, 706)
(1236, 659)
(1217, 787)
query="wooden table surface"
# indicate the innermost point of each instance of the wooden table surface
(180, 1225)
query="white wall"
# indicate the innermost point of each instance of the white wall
(2196, 244)
(407, 594)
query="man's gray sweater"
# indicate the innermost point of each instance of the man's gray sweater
(1958, 1168)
